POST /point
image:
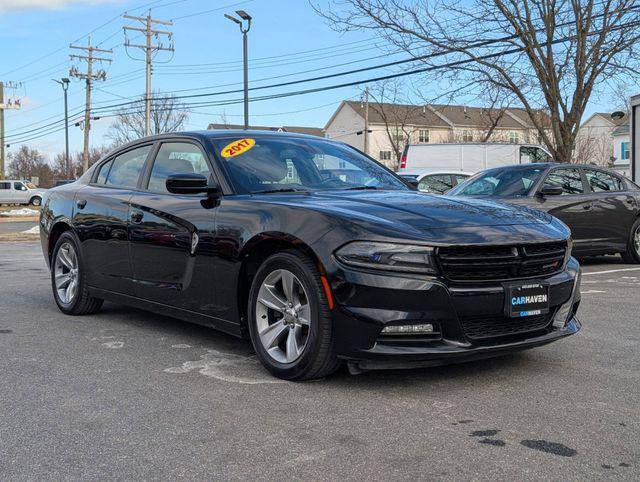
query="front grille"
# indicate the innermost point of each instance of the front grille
(491, 263)
(483, 327)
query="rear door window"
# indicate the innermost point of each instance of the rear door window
(569, 179)
(104, 172)
(5, 186)
(127, 167)
(600, 181)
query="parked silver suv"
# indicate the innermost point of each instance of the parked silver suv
(15, 191)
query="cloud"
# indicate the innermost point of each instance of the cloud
(9, 6)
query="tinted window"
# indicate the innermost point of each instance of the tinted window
(603, 181)
(507, 182)
(533, 154)
(460, 178)
(18, 186)
(104, 172)
(569, 179)
(5, 185)
(126, 168)
(437, 184)
(267, 164)
(176, 158)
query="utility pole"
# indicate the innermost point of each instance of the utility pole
(149, 31)
(10, 104)
(366, 121)
(88, 77)
(245, 55)
(64, 82)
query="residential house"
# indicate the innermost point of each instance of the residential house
(622, 149)
(597, 144)
(392, 126)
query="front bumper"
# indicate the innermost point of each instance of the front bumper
(366, 302)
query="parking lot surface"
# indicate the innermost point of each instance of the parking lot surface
(127, 394)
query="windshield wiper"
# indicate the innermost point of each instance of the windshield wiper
(362, 188)
(284, 189)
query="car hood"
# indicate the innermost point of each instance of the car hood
(416, 209)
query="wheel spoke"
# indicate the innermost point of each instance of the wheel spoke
(288, 286)
(271, 335)
(271, 299)
(62, 280)
(65, 258)
(293, 347)
(304, 314)
(70, 291)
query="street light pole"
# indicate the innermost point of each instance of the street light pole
(245, 47)
(64, 82)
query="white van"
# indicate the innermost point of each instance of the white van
(468, 157)
(15, 191)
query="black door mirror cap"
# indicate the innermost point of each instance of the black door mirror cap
(191, 183)
(550, 191)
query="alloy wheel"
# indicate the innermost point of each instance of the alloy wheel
(66, 273)
(283, 316)
(636, 240)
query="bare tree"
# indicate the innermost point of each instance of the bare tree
(386, 101)
(551, 55)
(59, 164)
(28, 163)
(167, 115)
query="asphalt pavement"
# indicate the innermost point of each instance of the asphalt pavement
(126, 394)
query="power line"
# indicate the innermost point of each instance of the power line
(107, 108)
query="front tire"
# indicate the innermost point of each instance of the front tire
(289, 319)
(68, 279)
(632, 254)
(35, 201)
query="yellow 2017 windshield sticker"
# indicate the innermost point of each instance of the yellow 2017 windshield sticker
(236, 148)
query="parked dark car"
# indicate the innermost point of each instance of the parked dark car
(248, 232)
(601, 207)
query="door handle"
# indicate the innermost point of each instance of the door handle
(631, 200)
(136, 216)
(587, 207)
(81, 203)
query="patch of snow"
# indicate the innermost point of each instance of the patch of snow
(20, 212)
(33, 230)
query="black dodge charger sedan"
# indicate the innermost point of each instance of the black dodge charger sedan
(601, 207)
(313, 250)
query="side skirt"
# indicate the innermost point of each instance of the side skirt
(167, 310)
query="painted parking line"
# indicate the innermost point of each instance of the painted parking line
(610, 271)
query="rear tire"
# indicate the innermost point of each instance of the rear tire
(632, 254)
(277, 313)
(68, 280)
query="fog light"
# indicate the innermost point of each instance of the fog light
(408, 329)
(562, 315)
(560, 319)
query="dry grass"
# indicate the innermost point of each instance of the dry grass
(10, 207)
(19, 237)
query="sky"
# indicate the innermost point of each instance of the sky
(287, 41)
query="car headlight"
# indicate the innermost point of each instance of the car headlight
(388, 257)
(569, 250)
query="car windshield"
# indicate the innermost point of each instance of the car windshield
(507, 182)
(257, 165)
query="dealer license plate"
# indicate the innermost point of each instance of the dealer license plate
(527, 300)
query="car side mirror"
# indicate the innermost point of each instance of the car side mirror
(191, 184)
(550, 191)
